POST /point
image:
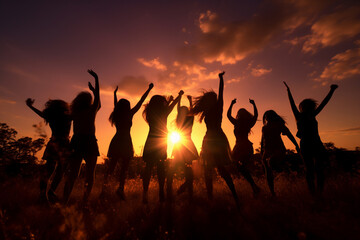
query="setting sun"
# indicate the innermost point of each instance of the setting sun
(175, 137)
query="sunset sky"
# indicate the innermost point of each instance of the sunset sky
(46, 49)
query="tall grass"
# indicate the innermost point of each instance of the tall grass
(292, 215)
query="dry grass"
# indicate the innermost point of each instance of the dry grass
(293, 215)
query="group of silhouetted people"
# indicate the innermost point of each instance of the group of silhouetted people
(64, 156)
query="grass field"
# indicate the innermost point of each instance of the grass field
(292, 215)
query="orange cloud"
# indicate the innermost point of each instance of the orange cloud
(343, 65)
(333, 28)
(154, 63)
(133, 86)
(260, 71)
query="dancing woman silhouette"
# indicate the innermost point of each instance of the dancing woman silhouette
(272, 147)
(243, 150)
(84, 142)
(311, 146)
(155, 150)
(57, 151)
(184, 151)
(121, 148)
(215, 147)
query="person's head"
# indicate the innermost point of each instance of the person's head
(156, 107)
(271, 116)
(204, 103)
(56, 109)
(81, 102)
(122, 109)
(181, 116)
(308, 106)
(243, 115)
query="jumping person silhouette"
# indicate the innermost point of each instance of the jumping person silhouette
(215, 147)
(311, 146)
(121, 147)
(184, 151)
(243, 150)
(155, 150)
(84, 142)
(272, 147)
(57, 151)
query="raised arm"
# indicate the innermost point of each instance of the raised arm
(176, 100)
(231, 119)
(326, 99)
(96, 90)
(221, 89)
(292, 102)
(142, 99)
(190, 101)
(287, 132)
(115, 97)
(179, 104)
(256, 114)
(29, 103)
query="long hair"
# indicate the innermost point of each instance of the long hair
(55, 110)
(244, 118)
(271, 116)
(81, 102)
(156, 107)
(204, 103)
(308, 105)
(121, 110)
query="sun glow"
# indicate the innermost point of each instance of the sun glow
(175, 137)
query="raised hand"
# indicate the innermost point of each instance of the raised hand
(251, 101)
(30, 102)
(91, 87)
(92, 73)
(333, 86)
(151, 85)
(189, 97)
(181, 92)
(233, 101)
(221, 74)
(287, 87)
(116, 89)
(171, 98)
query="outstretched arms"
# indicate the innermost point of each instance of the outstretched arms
(115, 97)
(96, 90)
(221, 89)
(333, 87)
(29, 103)
(176, 100)
(142, 99)
(292, 102)
(190, 101)
(231, 119)
(256, 114)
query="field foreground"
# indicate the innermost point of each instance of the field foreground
(292, 215)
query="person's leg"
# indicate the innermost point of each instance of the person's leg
(269, 175)
(58, 175)
(89, 176)
(321, 158)
(110, 168)
(161, 179)
(169, 181)
(245, 172)
(208, 171)
(123, 170)
(146, 179)
(227, 177)
(189, 179)
(71, 174)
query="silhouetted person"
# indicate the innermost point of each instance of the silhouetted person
(57, 151)
(243, 150)
(84, 142)
(121, 148)
(215, 147)
(272, 147)
(311, 146)
(155, 150)
(184, 151)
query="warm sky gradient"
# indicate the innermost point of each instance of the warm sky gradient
(46, 48)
